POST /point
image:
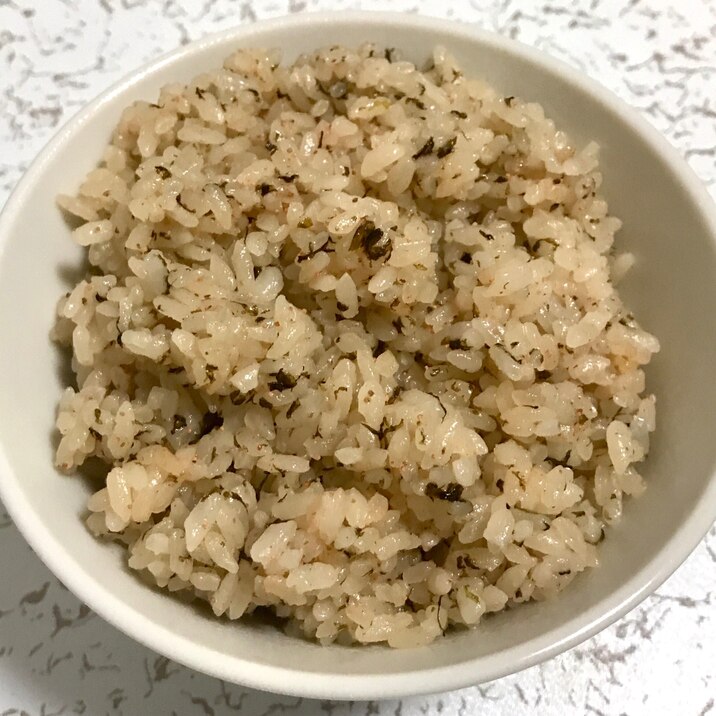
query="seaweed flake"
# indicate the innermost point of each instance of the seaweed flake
(283, 381)
(426, 149)
(181, 203)
(458, 344)
(446, 148)
(312, 252)
(374, 242)
(464, 560)
(452, 492)
(238, 398)
(416, 102)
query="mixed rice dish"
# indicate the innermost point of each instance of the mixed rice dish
(350, 346)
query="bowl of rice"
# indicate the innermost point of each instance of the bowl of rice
(374, 365)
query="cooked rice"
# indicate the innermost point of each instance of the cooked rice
(350, 346)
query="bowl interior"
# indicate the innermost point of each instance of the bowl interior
(671, 290)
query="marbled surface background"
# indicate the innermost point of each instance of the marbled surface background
(56, 657)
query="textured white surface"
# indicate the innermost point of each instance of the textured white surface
(56, 657)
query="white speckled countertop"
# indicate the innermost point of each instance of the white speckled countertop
(56, 657)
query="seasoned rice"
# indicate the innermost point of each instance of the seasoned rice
(350, 346)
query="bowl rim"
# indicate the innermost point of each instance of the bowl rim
(294, 681)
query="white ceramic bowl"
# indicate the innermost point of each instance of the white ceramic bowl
(669, 223)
